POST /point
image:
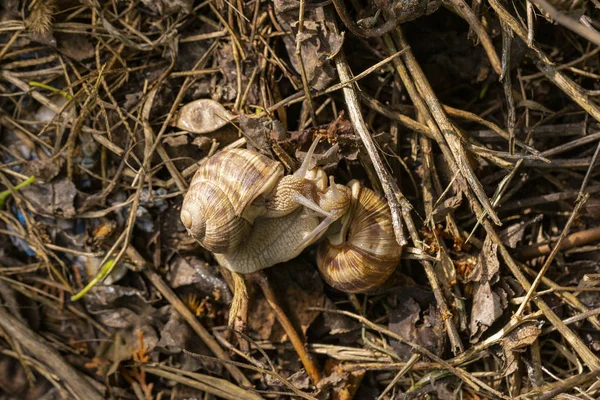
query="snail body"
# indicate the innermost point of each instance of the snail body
(272, 241)
(275, 240)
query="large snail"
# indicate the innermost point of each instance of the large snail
(233, 188)
(267, 218)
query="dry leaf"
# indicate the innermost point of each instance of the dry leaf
(486, 309)
(487, 266)
(204, 277)
(202, 116)
(318, 45)
(55, 198)
(426, 330)
(167, 7)
(487, 304)
(516, 342)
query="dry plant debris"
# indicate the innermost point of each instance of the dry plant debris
(479, 122)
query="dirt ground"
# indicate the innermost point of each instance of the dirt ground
(475, 124)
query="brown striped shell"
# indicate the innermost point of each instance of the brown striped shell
(220, 206)
(364, 253)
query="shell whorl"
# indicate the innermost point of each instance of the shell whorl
(365, 252)
(219, 208)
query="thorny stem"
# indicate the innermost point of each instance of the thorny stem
(297, 341)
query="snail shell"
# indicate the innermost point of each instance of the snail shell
(364, 253)
(221, 205)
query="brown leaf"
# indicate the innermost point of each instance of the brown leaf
(448, 206)
(487, 266)
(343, 385)
(486, 309)
(76, 47)
(43, 170)
(426, 330)
(54, 198)
(516, 342)
(202, 116)
(318, 45)
(257, 131)
(167, 7)
(488, 304)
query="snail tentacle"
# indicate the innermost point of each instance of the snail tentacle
(295, 190)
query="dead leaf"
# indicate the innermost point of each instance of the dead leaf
(204, 277)
(167, 7)
(202, 116)
(318, 45)
(516, 342)
(487, 266)
(488, 304)
(448, 206)
(513, 234)
(257, 131)
(342, 384)
(43, 170)
(76, 47)
(486, 309)
(426, 330)
(55, 198)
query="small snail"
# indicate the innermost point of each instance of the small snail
(234, 187)
(363, 253)
(359, 251)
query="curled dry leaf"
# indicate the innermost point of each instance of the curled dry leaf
(425, 329)
(203, 116)
(318, 45)
(487, 306)
(516, 342)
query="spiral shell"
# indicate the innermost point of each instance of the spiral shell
(220, 205)
(364, 253)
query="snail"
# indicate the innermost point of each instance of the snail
(363, 253)
(234, 187)
(358, 249)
